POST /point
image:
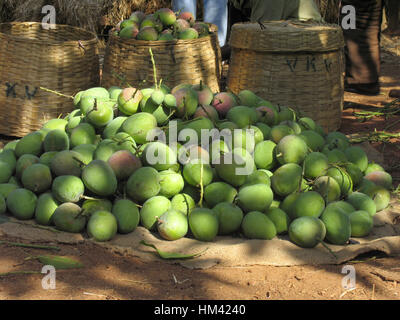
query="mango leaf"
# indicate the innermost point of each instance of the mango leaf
(59, 262)
(24, 245)
(18, 272)
(172, 255)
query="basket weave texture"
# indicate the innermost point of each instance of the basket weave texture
(294, 64)
(128, 62)
(64, 59)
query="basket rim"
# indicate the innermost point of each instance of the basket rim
(266, 36)
(283, 24)
(162, 42)
(92, 40)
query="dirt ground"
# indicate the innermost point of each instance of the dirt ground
(110, 276)
(107, 276)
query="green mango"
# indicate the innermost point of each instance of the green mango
(99, 178)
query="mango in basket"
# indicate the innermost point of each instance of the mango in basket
(128, 23)
(188, 34)
(166, 16)
(137, 16)
(166, 37)
(148, 34)
(188, 16)
(181, 25)
(202, 29)
(129, 32)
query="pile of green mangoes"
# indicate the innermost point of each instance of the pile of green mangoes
(272, 172)
(163, 25)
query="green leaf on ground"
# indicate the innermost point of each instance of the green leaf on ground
(59, 262)
(33, 246)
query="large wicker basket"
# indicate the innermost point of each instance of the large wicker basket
(64, 59)
(295, 64)
(128, 62)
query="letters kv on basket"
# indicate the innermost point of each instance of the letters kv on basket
(291, 63)
(63, 59)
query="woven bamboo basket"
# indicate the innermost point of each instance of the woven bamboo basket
(291, 63)
(128, 62)
(64, 59)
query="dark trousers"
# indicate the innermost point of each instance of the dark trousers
(363, 44)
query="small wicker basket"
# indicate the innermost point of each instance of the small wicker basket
(128, 62)
(291, 63)
(64, 59)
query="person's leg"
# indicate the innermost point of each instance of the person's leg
(216, 12)
(185, 5)
(271, 10)
(308, 10)
(363, 47)
(392, 11)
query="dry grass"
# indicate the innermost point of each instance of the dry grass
(88, 14)
(329, 10)
(117, 10)
(82, 13)
(7, 8)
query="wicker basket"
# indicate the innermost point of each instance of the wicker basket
(296, 64)
(177, 61)
(64, 59)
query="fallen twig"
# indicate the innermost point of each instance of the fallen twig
(25, 245)
(94, 294)
(385, 276)
(18, 272)
(346, 292)
(35, 226)
(177, 281)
